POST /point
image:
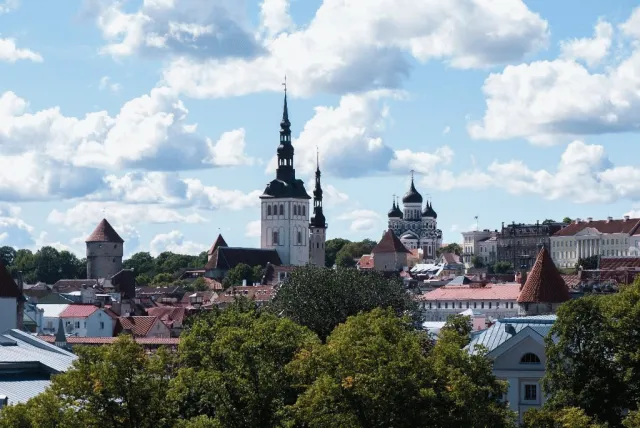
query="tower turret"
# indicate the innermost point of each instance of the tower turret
(317, 225)
(104, 252)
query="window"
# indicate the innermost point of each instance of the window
(275, 237)
(438, 305)
(481, 305)
(77, 324)
(459, 305)
(511, 305)
(489, 305)
(101, 325)
(467, 305)
(475, 305)
(304, 210)
(299, 238)
(295, 210)
(317, 245)
(446, 305)
(530, 392)
(281, 209)
(529, 358)
(497, 305)
(268, 209)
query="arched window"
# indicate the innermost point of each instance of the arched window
(295, 210)
(299, 238)
(529, 358)
(268, 209)
(281, 209)
(304, 210)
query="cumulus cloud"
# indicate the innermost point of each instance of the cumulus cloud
(13, 230)
(561, 99)
(274, 16)
(175, 242)
(590, 50)
(584, 174)
(7, 6)
(253, 229)
(365, 44)
(349, 140)
(49, 154)
(107, 84)
(361, 220)
(187, 27)
(10, 52)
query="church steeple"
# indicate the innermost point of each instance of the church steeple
(285, 171)
(317, 220)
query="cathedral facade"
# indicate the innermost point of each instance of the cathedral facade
(287, 224)
(417, 226)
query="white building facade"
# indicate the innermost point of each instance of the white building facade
(417, 227)
(285, 205)
(78, 320)
(588, 238)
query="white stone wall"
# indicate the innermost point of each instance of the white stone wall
(8, 313)
(104, 259)
(567, 250)
(291, 222)
(317, 239)
(440, 310)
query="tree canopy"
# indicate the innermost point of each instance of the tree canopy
(343, 252)
(243, 272)
(321, 298)
(453, 247)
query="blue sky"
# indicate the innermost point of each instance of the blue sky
(163, 115)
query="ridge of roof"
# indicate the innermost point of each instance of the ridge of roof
(104, 232)
(544, 283)
(219, 242)
(390, 243)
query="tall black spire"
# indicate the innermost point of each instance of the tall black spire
(317, 220)
(285, 170)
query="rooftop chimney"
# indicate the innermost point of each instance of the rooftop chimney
(626, 218)
(609, 219)
(577, 220)
(589, 219)
(244, 282)
(510, 329)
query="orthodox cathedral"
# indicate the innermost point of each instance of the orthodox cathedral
(287, 223)
(416, 226)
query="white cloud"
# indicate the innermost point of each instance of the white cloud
(446, 130)
(252, 229)
(559, 100)
(590, 50)
(350, 143)
(7, 6)
(369, 48)
(9, 52)
(361, 220)
(13, 230)
(631, 27)
(175, 242)
(107, 83)
(332, 197)
(46, 153)
(83, 215)
(584, 175)
(275, 16)
(185, 27)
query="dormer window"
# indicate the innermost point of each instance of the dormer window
(530, 358)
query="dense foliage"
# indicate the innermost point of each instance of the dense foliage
(47, 264)
(343, 252)
(246, 368)
(593, 357)
(243, 272)
(321, 298)
(454, 247)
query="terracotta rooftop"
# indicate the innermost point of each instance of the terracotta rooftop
(137, 325)
(544, 283)
(619, 262)
(490, 292)
(220, 242)
(74, 340)
(104, 233)
(169, 315)
(389, 244)
(366, 262)
(8, 287)
(603, 226)
(451, 258)
(78, 311)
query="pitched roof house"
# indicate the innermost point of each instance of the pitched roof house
(390, 254)
(142, 326)
(544, 289)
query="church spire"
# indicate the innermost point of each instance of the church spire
(285, 171)
(318, 220)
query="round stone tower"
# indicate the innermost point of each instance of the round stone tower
(104, 252)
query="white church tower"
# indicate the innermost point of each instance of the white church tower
(284, 204)
(317, 225)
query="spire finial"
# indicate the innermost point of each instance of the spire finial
(285, 111)
(285, 84)
(394, 200)
(411, 175)
(317, 158)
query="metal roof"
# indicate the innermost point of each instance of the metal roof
(496, 335)
(52, 310)
(19, 388)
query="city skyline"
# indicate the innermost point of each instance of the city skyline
(163, 116)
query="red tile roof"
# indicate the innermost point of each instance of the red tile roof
(73, 340)
(8, 287)
(78, 311)
(220, 242)
(572, 281)
(544, 283)
(451, 258)
(104, 233)
(491, 292)
(213, 284)
(602, 226)
(607, 263)
(389, 244)
(169, 315)
(136, 325)
(366, 262)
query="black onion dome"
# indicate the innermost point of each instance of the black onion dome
(318, 219)
(395, 212)
(429, 211)
(285, 150)
(412, 196)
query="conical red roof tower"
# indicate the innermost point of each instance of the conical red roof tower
(544, 283)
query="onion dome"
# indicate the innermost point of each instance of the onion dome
(412, 196)
(395, 212)
(428, 211)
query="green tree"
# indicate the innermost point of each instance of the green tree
(241, 272)
(198, 284)
(569, 417)
(567, 220)
(477, 262)
(233, 367)
(588, 262)
(143, 280)
(24, 262)
(320, 298)
(142, 264)
(332, 246)
(375, 370)
(453, 247)
(345, 260)
(501, 267)
(7, 255)
(108, 386)
(162, 279)
(352, 251)
(548, 221)
(47, 264)
(70, 267)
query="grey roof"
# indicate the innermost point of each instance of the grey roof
(496, 335)
(26, 364)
